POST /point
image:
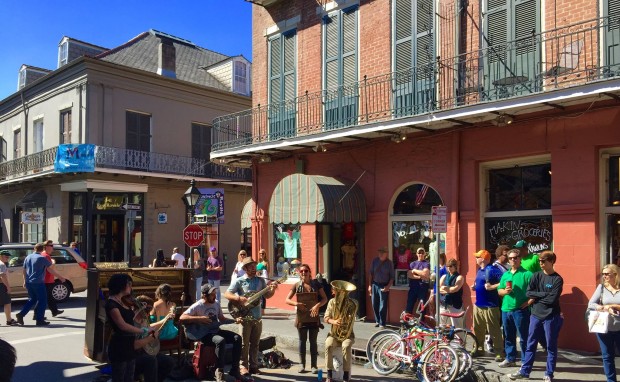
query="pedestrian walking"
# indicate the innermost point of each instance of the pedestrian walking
(381, 280)
(5, 287)
(50, 281)
(546, 317)
(607, 299)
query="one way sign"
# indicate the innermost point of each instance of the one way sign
(131, 207)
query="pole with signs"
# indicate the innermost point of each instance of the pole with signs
(438, 225)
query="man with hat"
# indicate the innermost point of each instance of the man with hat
(381, 280)
(214, 270)
(486, 310)
(529, 261)
(251, 325)
(5, 287)
(202, 321)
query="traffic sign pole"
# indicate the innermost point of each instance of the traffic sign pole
(193, 235)
(438, 225)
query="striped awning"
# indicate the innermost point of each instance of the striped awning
(300, 198)
(246, 214)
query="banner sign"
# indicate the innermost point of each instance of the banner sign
(537, 231)
(75, 158)
(211, 204)
(32, 217)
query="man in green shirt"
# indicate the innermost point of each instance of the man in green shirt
(529, 261)
(515, 307)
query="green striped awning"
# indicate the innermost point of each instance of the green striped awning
(246, 214)
(300, 198)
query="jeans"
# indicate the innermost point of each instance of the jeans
(608, 342)
(250, 335)
(123, 371)
(379, 303)
(303, 337)
(198, 286)
(37, 295)
(550, 328)
(216, 283)
(416, 293)
(515, 322)
(219, 340)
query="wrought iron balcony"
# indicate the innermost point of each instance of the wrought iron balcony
(124, 159)
(564, 57)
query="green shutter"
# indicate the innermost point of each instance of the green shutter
(282, 86)
(611, 9)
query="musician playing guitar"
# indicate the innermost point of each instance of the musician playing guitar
(202, 322)
(251, 325)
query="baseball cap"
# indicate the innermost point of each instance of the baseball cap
(520, 244)
(5, 253)
(213, 249)
(207, 289)
(483, 253)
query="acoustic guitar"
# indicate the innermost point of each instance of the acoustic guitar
(242, 310)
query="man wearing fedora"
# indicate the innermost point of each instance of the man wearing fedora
(381, 280)
(252, 324)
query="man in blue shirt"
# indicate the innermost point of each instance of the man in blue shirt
(486, 310)
(34, 269)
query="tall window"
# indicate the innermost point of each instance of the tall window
(65, 126)
(240, 84)
(611, 210)
(340, 67)
(138, 127)
(282, 85)
(519, 207)
(414, 56)
(512, 50)
(63, 53)
(611, 11)
(21, 80)
(17, 143)
(38, 136)
(411, 227)
(201, 141)
(3, 150)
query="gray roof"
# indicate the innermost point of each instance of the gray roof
(142, 53)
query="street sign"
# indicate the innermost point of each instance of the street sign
(131, 207)
(193, 235)
(439, 219)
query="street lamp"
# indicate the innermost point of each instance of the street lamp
(190, 198)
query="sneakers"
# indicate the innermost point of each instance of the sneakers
(12, 322)
(42, 323)
(314, 370)
(476, 353)
(219, 375)
(547, 378)
(20, 319)
(488, 344)
(518, 375)
(58, 312)
(499, 358)
(507, 363)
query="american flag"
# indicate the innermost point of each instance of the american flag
(419, 198)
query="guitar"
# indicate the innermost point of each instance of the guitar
(240, 310)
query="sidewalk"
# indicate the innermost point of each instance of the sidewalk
(571, 366)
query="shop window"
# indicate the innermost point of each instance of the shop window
(520, 188)
(411, 227)
(287, 249)
(614, 181)
(611, 252)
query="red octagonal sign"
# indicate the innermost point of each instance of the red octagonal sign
(193, 235)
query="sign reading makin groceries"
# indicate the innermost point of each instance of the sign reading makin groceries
(537, 231)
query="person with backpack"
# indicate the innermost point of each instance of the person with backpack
(486, 309)
(310, 298)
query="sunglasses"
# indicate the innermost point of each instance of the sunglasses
(451, 266)
(542, 261)
(608, 274)
(304, 271)
(514, 258)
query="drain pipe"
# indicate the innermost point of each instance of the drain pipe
(25, 131)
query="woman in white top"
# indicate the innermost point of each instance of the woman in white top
(238, 271)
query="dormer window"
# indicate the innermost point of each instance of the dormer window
(240, 83)
(21, 81)
(63, 53)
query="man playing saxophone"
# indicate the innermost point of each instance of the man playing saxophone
(340, 314)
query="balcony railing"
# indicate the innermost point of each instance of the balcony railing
(125, 159)
(569, 56)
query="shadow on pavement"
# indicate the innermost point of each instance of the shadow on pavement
(53, 371)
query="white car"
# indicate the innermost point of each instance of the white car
(68, 263)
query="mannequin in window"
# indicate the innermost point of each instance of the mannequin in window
(348, 255)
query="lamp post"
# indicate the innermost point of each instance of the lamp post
(190, 198)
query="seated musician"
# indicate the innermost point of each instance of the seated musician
(202, 322)
(151, 368)
(340, 313)
(161, 309)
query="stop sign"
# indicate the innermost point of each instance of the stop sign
(193, 235)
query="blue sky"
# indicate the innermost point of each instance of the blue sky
(31, 29)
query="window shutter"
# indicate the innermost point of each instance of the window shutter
(526, 22)
(349, 47)
(497, 29)
(275, 49)
(612, 36)
(424, 50)
(289, 66)
(332, 51)
(403, 25)
(3, 149)
(282, 86)
(131, 123)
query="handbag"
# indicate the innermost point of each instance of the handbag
(598, 322)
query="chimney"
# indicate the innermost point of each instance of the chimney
(167, 58)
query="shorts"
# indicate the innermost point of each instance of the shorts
(5, 298)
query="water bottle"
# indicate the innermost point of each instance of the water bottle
(320, 375)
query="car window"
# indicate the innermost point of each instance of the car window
(62, 256)
(17, 256)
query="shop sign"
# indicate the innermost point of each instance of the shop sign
(110, 203)
(75, 158)
(537, 231)
(32, 217)
(211, 204)
(439, 220)
(162, 218)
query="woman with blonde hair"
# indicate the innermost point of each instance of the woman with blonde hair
(238, 270)
(607, 299)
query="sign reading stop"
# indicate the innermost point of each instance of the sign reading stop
(193, 235)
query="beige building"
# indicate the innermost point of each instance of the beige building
(147, 108)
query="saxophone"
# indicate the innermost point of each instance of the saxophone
(344, 309)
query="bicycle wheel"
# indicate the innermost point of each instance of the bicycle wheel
(440, 364)
(371, 345)
(386, 356)
(465, 362)
(466, 339)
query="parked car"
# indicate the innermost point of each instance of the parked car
(68, 263)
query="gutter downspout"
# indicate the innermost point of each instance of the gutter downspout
(80, 133)
(25, 130)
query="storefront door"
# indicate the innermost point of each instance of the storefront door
(109, 238)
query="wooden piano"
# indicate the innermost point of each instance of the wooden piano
(145, 281)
